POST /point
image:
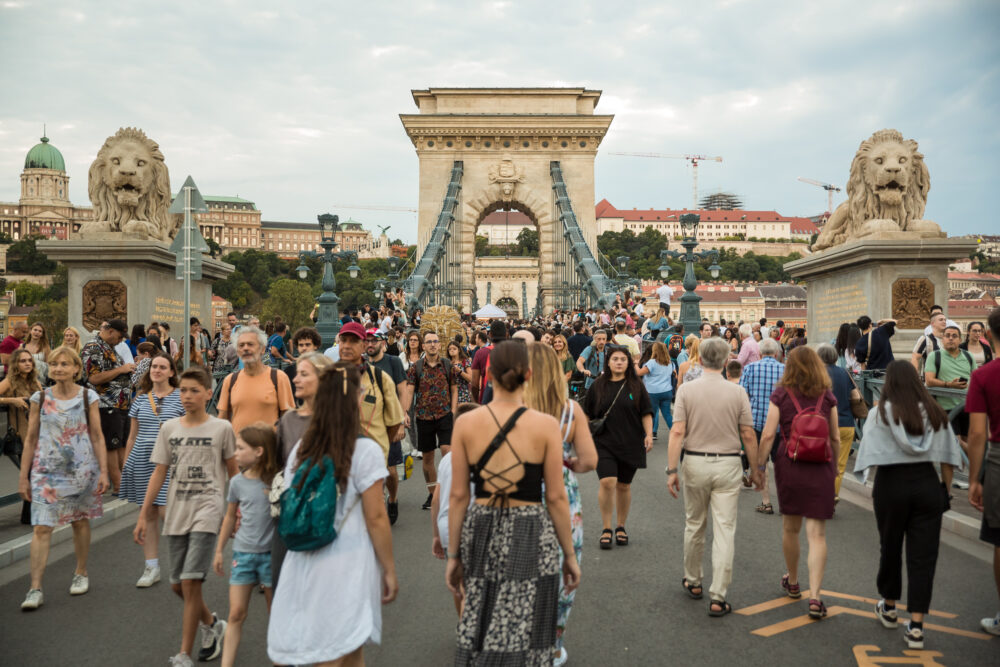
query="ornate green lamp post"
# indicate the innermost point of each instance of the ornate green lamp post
(328, 316)
(690, 315)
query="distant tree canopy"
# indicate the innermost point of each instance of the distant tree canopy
(643, 251)
(726, 201)
(24, 257)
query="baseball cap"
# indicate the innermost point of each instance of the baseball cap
(375, 333)
(353, 329)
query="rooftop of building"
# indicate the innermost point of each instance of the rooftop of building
(972, 275)
(44, 156)
(348, 225)
(604, 209)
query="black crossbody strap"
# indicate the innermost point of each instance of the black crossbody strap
(499, 438)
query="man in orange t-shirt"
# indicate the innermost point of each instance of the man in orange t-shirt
(255, 393)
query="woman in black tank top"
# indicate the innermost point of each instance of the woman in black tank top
(506, 537)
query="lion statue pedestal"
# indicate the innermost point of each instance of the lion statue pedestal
(120, 265)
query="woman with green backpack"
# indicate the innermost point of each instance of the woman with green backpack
(333, 521)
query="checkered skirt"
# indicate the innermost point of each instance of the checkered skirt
(512, 571)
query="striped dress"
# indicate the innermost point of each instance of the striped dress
(138, 468)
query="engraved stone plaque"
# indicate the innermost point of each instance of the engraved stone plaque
(103, 300)
(912, 299)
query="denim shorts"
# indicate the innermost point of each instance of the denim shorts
(250, 569)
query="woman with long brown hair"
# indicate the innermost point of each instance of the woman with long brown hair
(905, 436)
(38, 345)
(546, 391)
(357, 568)
(413, 350)
(21, 382)
(805, 489)
(158, 399)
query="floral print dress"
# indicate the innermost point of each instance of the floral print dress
(464, 391)
(575, 521)
(65, 473)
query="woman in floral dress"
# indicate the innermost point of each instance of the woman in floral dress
(69, 470)
(546, 391)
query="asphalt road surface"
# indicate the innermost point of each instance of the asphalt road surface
(630, 609)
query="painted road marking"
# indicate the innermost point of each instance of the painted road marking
(800, 621)
(926, 658)
(785, 600)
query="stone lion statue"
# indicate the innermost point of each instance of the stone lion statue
(129, 186)
(886, 192)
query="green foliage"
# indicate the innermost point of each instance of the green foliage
(482, 246)
(5, 238)
(214, 249)
(292, 299)
(54, 317)
(24, 257)
(28, 293)
(643, 251)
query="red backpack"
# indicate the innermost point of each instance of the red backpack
(809, 440)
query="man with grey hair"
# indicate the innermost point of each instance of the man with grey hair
(711, 417)
(749, 348)
(256, 392)
(759, 380)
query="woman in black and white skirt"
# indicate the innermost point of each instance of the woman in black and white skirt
(503, 551)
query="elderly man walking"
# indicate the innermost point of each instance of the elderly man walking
(759, 379)
(256, 392)
(711, 417)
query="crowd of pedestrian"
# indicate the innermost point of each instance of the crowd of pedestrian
(300, 466)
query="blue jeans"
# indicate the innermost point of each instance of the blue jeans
(661, 404)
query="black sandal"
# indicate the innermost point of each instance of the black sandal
(725, 608)
(621, 537)
(605, 541)
(690, 589)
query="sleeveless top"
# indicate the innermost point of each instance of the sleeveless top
(694, 372)
(529, 487)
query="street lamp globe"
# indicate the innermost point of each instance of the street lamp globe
(622, 262)
(714, 269)
(302, 270)
(393, 264)
(353, 270)
(664, 270)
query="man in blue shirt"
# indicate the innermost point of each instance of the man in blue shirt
(759, 380)
(276, 345)
(874, 349)
(591, 360)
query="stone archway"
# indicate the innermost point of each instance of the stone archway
(506, 140)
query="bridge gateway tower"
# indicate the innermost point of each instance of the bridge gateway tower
(488, 149)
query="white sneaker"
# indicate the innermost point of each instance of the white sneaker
(914, 637)
(990, 625)
(80, 585)
(34, 599)
(150, 576)
(560, 659)
(888, 617)
(959, 484)
(181, 660)
(211, 639)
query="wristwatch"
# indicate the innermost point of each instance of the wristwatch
(671, 471)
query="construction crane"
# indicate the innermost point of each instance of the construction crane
(693, 159)
(830, 189)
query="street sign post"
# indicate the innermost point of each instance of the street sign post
(188, 246)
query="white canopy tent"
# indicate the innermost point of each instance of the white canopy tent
(489, 312)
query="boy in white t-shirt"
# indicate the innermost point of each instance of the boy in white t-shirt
(199, 451)
(664, 292)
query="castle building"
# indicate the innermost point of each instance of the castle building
(44, 207)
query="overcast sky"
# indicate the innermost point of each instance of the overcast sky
(295, 105)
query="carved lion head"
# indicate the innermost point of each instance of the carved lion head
(888, 180)
(128, 181)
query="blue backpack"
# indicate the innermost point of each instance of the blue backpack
(308, 507)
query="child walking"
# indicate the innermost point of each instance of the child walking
(256, 455)
(199, 451)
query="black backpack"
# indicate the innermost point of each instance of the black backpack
(419, 372)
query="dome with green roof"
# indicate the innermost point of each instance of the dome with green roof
(44, 156)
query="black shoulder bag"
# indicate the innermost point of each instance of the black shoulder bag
(597, 425)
